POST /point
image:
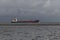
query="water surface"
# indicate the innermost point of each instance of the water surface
(29, 32)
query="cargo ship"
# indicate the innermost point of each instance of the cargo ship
(14, 20)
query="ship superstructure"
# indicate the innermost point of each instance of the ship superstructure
(14, 20)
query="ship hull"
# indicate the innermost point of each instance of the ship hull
(26, 21)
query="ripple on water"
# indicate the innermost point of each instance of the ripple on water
(30, 33)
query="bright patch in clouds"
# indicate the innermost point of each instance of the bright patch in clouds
(47, 3)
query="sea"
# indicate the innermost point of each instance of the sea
(29, 32)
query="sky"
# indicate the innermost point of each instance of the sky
(43, 10)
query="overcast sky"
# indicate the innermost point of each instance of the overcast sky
(44, 10)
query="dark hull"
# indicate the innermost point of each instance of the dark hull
(26, 21)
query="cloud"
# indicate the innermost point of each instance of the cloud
(47, 3)
(38, 9)
(10, 7)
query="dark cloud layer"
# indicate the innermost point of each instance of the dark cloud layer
(44, 10)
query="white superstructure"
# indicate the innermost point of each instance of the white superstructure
(14, 20)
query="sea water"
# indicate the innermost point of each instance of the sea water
(29, 32)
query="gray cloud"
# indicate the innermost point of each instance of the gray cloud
(30, 9)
